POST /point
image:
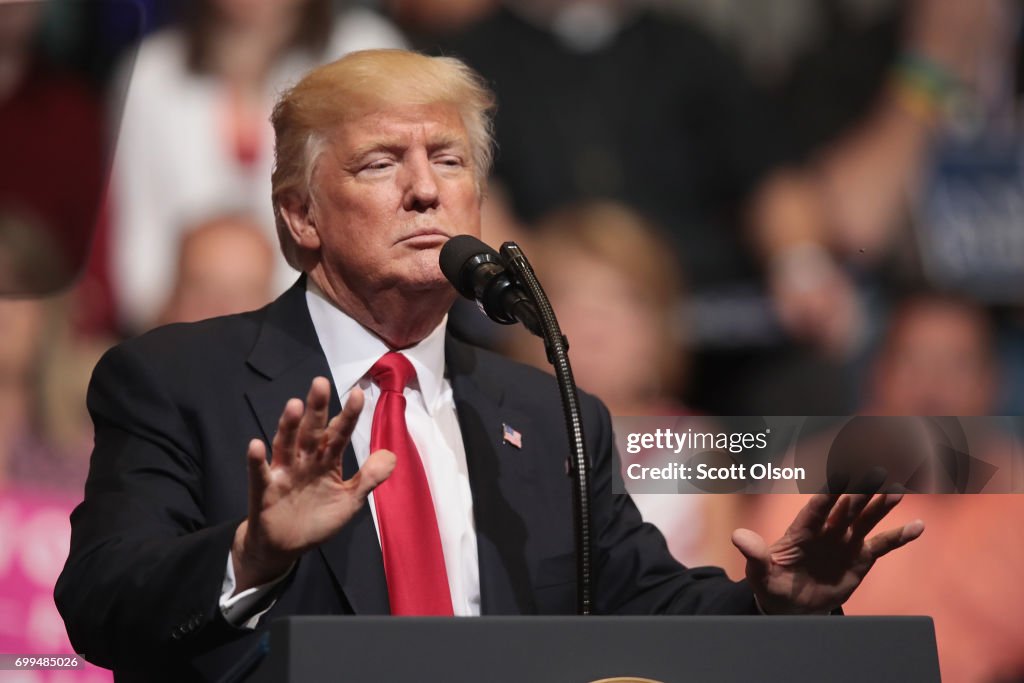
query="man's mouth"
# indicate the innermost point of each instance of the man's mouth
(426, 237)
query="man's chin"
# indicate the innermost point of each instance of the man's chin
(423, 272)
(431, 282)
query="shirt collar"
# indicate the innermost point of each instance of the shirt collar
(351, 349)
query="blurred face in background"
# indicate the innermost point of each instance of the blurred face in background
(613, 331)
(18, 21)
(938, 360)
(225, 266)
(22, 322)
(614, 285)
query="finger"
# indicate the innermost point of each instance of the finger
(283, 447)
(867, 487)
(874, 513)
(259, 473)
(857, 503)
(314, 419)
(814, 515)
(342, 425)
(837, 519)
(377, 468)
(754, 549)
(349, 415)
(887, 541)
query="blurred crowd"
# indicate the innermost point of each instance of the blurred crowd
(789, 207)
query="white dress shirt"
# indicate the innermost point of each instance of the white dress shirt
(351, 351)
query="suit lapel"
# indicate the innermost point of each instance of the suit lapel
(353, 554)
(501, 477)
(288, 356)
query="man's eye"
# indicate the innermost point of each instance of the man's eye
(378, 165)
(449, 161)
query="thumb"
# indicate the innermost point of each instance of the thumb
(754, 549)
(377, 468)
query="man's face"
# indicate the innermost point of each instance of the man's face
(390, 189)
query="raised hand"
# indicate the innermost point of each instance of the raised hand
(824, 554)
(300, 499)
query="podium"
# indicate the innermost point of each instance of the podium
(586, 649)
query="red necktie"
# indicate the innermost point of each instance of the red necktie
(409, 539)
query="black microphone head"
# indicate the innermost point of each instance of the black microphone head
(460, 256)
(478, 273)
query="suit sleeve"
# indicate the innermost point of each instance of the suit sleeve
(142, 581)
(636, 574)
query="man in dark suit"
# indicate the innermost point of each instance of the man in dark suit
(446, 495)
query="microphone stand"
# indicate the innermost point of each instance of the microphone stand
(578, 465)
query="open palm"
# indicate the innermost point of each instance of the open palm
(299, 498)
(824, 554)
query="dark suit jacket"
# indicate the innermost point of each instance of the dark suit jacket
(174, 411)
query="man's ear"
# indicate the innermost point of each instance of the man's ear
(299, 216)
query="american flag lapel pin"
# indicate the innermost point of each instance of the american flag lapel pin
(511, 436)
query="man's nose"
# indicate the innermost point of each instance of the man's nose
(421, 189)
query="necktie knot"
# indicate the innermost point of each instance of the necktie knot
(392, 372)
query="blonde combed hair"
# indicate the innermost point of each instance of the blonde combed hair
(362, 83)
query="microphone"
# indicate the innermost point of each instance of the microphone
(478, 273)
(506, 289)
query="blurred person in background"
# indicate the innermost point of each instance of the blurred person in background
(225, 265)
(878, 93)
(771, 38)
(618, 294)
(52, 170)
(195, 139)
(938, 358)
(606, 98)
(45, 436)
(45, 433)
(615, 286)
(865, 88)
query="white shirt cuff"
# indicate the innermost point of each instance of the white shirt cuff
(237, 608)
